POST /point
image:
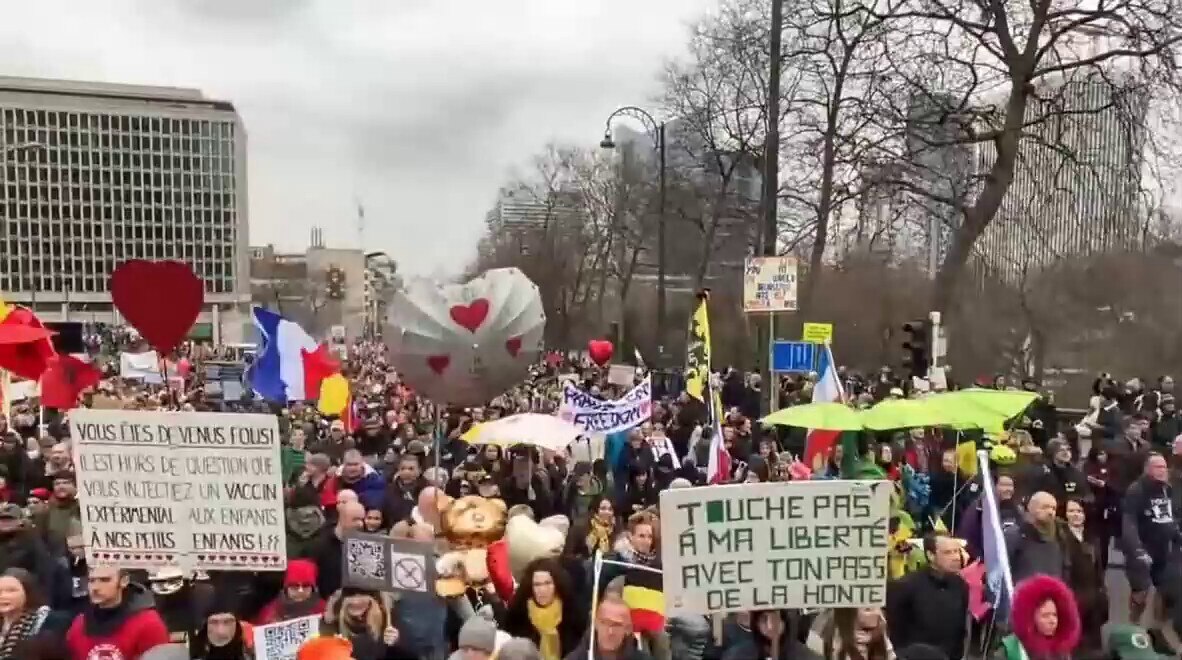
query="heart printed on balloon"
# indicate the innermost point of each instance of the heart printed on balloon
(160, 299)
(465, 344)
(600, 351)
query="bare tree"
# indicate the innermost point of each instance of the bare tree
(716, 95)
(1013, 76)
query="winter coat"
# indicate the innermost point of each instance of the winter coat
(924, 607)
(1033, 553)
(1148, 522)
(124, 632)
(1026, 643)
(570, 629)
(370, 487)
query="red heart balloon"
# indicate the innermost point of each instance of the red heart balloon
(160, 299)
(513, 345)
(600, 351)
(470, 316)
(438, 363)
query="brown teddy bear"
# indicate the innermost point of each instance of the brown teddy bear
(470, 524)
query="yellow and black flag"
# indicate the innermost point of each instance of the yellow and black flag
(644, 592)
(697, 358)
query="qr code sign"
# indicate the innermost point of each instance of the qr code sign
(365, 559)
(282, 642)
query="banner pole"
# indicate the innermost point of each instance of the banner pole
(773, 383)
(597, 569)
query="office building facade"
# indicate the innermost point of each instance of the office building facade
(96, 174)
(1077, 182)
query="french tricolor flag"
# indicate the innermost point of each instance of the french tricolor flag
(827, 390)
(291, 365)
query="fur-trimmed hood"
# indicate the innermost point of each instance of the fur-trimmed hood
(1029, 595)
(379, 616)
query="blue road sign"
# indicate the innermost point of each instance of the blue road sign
(793, 356)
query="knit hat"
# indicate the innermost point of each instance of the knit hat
(326, 648)
(299, 572)
(1129, 642)
(680, 482)
(520, 648)
(479, 634)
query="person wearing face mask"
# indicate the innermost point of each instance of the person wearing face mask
(222, 635)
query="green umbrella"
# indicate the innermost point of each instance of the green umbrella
(826, 416)
(981, 408)
(903, 414)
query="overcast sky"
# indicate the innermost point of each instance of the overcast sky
(419, 108)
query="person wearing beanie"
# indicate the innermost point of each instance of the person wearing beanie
(299, 596)
(1166, 424)
(518, 648)
(1059, 476)
(326, 648)
(477, 639)
(223, 635)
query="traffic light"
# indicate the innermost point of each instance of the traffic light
(916, 357)
(335, 287)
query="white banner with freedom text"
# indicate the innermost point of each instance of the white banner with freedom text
(198, 491)
(595, 415)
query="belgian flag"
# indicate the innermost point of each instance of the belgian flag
(644, 592)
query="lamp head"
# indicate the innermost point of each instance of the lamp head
(607, 142)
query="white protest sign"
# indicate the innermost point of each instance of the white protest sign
(594, 415)
(800, 544)
(282, 641)
(199, 491)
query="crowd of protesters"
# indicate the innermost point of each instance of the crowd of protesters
(1060, 517)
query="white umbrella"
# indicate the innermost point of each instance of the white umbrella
(533, 429)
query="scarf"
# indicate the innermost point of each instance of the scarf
(600, 536)
(23, 628)
(546, 620)
(644, 558)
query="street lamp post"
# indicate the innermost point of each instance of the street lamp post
(658, 130)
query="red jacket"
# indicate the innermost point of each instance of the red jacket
(125, 634)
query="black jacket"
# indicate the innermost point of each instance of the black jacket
(1147, 520)
(326, 553)
(926, 608)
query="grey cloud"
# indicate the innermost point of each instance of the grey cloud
(419, 107)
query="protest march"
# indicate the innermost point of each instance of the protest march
(466, 493)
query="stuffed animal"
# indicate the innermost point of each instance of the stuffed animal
(528, 540)
(470, 524)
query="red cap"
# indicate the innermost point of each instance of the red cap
(300, 571)
(43, 494)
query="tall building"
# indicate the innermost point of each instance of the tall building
(691, 166)
(297, 285)
(894, 219)
(95, 174)
(1077, 181)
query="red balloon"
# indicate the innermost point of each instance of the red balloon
(160, 299)
(600, 351)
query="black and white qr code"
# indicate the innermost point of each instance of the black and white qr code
(283, 641)
(366, 559)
